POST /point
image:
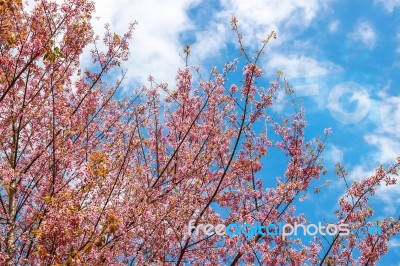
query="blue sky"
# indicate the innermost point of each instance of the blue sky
(342, 58)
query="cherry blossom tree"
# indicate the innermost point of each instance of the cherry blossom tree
(89, 179)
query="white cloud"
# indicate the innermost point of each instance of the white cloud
(387, 137)
(300, 66)
(257, 18)
(394, 243)
(389, 5)
(209, 42)
(390, 113)
(334, 26)
(307, 90)
(361, 171)
(335, 154)
(295, 66)
(306, 69)
(155, 46)
(364, 33)
(389, 147)
(386, 140)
